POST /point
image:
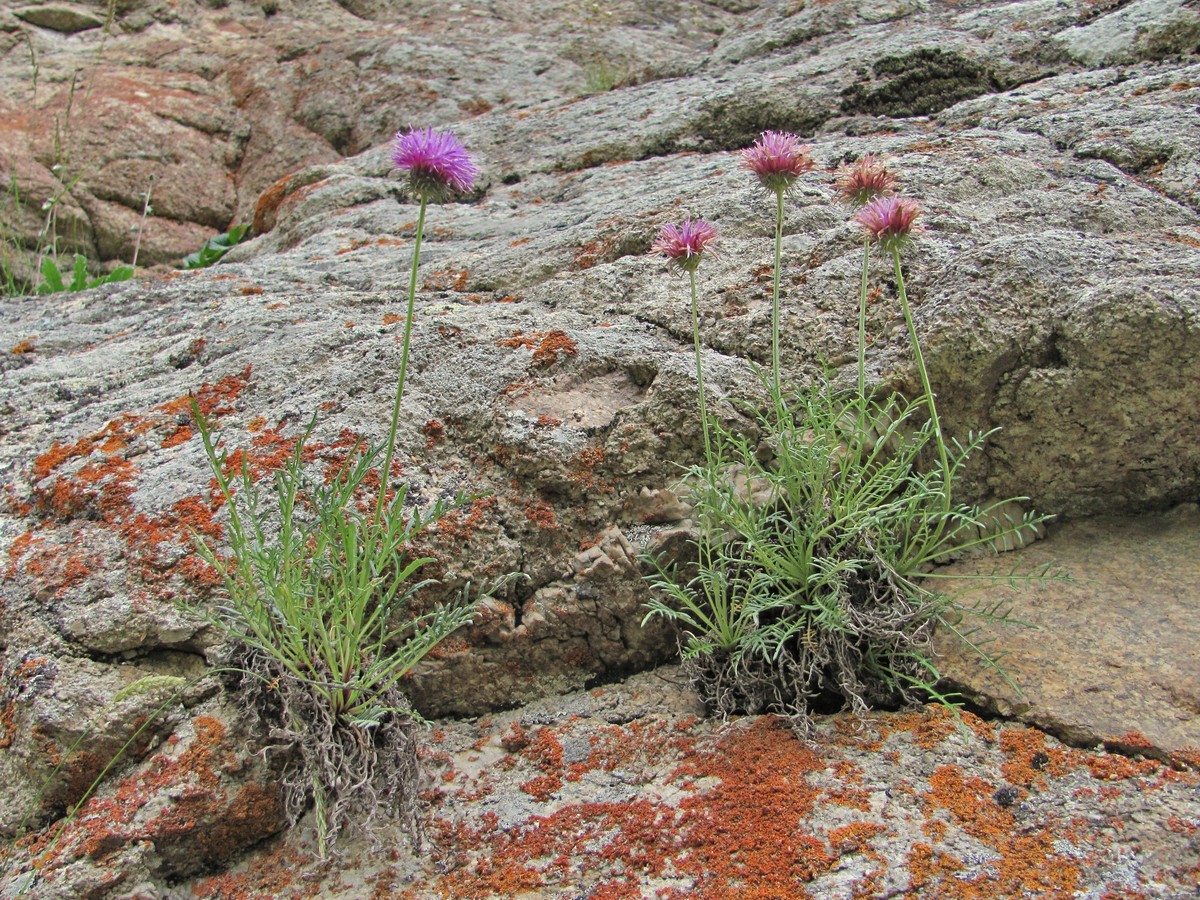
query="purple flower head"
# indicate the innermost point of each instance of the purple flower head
(778, 159)
(683, 245)
(435, 161)
(890, 221)
(867, 179)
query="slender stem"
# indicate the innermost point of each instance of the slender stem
(862, 322)
(708, 457)
(385, 475)
(775, 291)
(920, 357)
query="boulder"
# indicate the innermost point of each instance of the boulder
(552, 380)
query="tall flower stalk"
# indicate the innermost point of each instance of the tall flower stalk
(777, 159)
(858, 185)
(684, 246)
(436, 164)
(890, 222)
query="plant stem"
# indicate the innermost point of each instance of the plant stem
(137, 246)
(862, 322)
(920, 358)
(775, 291)
(708, 457)
(385, 475)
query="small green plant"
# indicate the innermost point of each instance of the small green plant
(316, 597)
(601, 75)
(816, 546)
(215, 248)
(53, 278)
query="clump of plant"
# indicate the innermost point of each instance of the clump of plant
(318, 589)
(816, 547)
(54, 279)
(215, 248)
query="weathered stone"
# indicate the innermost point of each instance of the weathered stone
(1145, 29)
(552, 376)
(63, 17)
(196, 802)
(892, 804)
(1110, 655)
(68, 720)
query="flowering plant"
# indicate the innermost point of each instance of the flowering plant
(816, 545)
(316, 603)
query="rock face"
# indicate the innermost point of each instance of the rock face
(1113, 656)
(202, 105)
(1054, 148)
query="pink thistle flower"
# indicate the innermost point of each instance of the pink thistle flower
(890, 221)
(683, 245)
(867, 179)
(435, 161)
(778, 159)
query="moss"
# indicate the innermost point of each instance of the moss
(731, 123)
(1169, 40)
(919, 84)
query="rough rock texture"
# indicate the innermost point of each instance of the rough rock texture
(624, 792)
(205, 104)
(1056, 291)
(1115, 651)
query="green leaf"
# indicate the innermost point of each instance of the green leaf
(216, 247)
(53, 282)
(79, 276)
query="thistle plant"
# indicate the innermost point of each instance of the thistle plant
(317, 591)
(710, 604)
(777, 159)
(858, 185)
(684, 246)
(817, 545)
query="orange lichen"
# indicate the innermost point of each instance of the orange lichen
(448, 280)
(546, 346)
(435, 431)
(214, 400)
(1027, 863)
(541, 514)
(855, 837)
(1110, 767)
(8, 724)
(583, 466)
(461, 524)
(268, 875)
(26, 346)
(1030, 758)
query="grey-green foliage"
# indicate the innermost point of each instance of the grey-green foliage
(317, 596)
(814, 555)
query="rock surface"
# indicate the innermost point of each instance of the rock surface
(1112, 657)
(1054, 147)
(624, 791)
